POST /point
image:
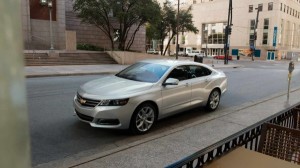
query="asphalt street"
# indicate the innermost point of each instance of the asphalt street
(56, 133)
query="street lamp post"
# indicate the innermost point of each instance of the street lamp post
(206, 34)
(227, 33)
(255, 32)
(177, 30)
(49, 4)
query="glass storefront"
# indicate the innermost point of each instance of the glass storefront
(214, 34)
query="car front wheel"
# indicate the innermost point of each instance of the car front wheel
(213, 100)
(143, 118)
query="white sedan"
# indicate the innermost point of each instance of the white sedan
(147, 91)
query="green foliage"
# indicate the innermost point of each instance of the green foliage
(124, 15)
(186, 21)
(167, 25)
(89, 47)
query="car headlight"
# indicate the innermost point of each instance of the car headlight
(117, 102)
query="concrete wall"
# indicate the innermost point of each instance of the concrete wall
(127, 58)
(86, 33)
(26, 27)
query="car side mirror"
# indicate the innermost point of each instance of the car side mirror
(171, 81)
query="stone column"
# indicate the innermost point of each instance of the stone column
(14, 138)
(26, 21)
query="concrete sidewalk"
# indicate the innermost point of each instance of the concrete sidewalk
(68, 70)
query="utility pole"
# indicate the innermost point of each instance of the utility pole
(206, 47)
(206, 40)
(228, 32)
(177, 30)
(255, 33)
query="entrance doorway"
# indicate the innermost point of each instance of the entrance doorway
(271, 55)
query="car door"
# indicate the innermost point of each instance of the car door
(200, 83)
(176, 97)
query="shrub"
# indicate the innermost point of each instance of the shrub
(89, 47)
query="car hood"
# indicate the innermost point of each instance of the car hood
(112, 87)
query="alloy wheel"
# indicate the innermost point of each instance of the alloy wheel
(214, 100)
(145, 118)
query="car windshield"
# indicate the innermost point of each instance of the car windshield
(144, 72)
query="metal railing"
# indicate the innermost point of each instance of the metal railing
(248, 137)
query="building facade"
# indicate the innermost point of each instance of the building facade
(278, 30)
(36, 27)
(36, 24)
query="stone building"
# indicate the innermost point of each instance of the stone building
(36, 27)
(278, 31)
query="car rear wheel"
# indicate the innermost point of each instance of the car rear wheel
(143, 118)
(213, 100)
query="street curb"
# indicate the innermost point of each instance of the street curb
(69, 74)
(108, 72)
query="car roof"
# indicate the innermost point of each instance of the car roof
(169, 62)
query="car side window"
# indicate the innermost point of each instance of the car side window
(180, 73)
(199, 71)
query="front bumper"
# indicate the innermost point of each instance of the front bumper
(114, 117)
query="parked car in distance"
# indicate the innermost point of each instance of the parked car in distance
(195, 52)
(147, 91)
(180, 53)
(152, 51)
(222, 57)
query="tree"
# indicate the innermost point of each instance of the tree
(123, 16)
(168, 24)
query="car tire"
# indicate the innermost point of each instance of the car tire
(213, 100)
(143, 118)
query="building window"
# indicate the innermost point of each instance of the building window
(265, 32)
(298, 36)
(213, 33)
(281, 30)
(293, 35)
(284, 8)
(250, 8)
(266, 24)
(205, 34)
(182, 39)
(270, 6)
(260, 7)
(39, 13)
(281, 7)
(194, 1)
(287, 9)
(293, 12)
(252, 24)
